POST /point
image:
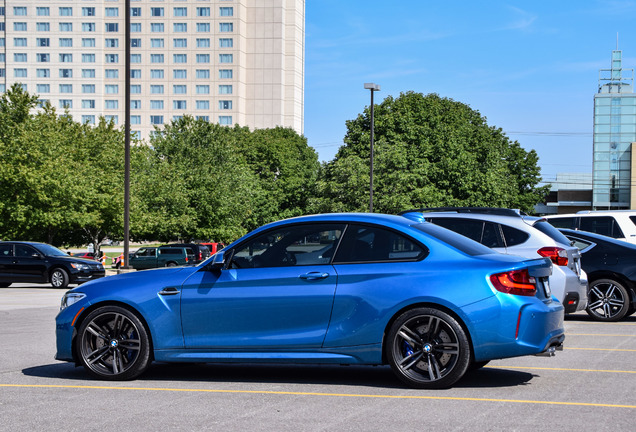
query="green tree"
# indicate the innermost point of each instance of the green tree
(429, 151)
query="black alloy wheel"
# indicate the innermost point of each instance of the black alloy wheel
(59, 278)
(427, 348)
(113, 344)
(607, 300)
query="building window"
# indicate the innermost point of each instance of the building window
(88, 42)
(66, 103)
(156, 43)
(19, 10)
(111, 12)
(135, 27)
(20, 26)
(43, 88)
(2, 73)
(88, 73)
(179, 89)
(89, 27)
(42, 42)
(88, 119)
(156, 11)
(203, 58)
(179, 104)
(225, 120)
(203, 43)
(203, 11)
(203, 117)
(66, 42)
(88, 88)
(203, 27)
(135, 58)
(156, 74)
(66, 11)
(156, 104)
(226, 27)
(180, 11)
(20, 73)
(179, 74)
(226, 11)
(40, 26)
(111, 118)
(111, 88)
(42, 11)
(225, 73)
(179, 58)
(156, 119)
(135, 104)
(42, 57)
(135, 89)
(111, 104)
(225, 104)
(180, 27)
(111, 73)
(111, 43)
(20, 42)
(203, 105)
(19, 57)
(43, 73)
(226, 58)
(66, 58)
(135, 73)
(112, 58)
(156, 27)
(135, 119)
(66, 88)
(203, 73)
(88, 11)
(135, 11)
(112, 27)
(156, 58)
(66, 27)
(88, 58)
(180, 43)
(88, 103)
(225, 89)
(226, 43)
(135, 43)
(156, 89)
(203, 89)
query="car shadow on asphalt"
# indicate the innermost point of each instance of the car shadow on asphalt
(359, 376)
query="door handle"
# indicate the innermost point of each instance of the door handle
(314, 276)
(169, 291)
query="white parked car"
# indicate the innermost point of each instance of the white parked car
(618, 224)
(508, 231)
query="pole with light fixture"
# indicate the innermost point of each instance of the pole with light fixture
(373, 87)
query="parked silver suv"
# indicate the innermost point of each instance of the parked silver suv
(509, 232)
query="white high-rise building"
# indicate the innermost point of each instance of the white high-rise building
(227, 61)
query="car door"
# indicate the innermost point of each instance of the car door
(6, 262)
(276, 292)
(29, 265)
(144, 258)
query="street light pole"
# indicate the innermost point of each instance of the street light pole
(373, 87)
(126, 134)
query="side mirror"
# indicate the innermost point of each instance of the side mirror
(218, 261)
(36, 255)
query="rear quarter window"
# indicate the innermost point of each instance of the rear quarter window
(456, 241)
(171, 251)
(549, 230)
(514, 236)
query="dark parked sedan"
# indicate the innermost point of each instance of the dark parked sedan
(43, 263)
(610, 265)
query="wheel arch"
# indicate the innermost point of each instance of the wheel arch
(91, 308)
(438, 306)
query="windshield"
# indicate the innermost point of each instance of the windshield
(49, 250)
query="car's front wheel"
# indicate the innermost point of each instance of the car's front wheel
(607, 300)
(428, 348)
(113, 344)
(59, 278)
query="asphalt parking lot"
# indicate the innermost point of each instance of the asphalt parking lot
(590, 385)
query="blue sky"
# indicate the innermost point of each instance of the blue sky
(530, 67)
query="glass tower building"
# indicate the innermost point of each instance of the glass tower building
(614, 133)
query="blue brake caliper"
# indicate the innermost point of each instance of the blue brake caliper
(407, 349)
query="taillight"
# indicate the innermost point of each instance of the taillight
(557, 255)
(186, 259)
(517, 282)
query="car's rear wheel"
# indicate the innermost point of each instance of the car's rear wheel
(608, 300)
(113, 344)
(428, 348)
(59, 278)
(171, 264)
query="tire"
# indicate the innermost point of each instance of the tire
(608, 300)
(5, 284)
(171, 264)
(59, 278)
(113, 344)
(428, 349)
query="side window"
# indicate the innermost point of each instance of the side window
(24, 251)
(375, 244)
(605, 225)
(582, 245)
(470, 228)
(6, 250)
(295, 245)
(171, 251)
(563, 222)
(513, 236)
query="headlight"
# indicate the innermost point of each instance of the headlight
(71, 298)
(80, 266)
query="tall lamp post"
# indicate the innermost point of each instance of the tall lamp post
(374, 88)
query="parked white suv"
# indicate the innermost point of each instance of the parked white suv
(618, 224)
(507, 231)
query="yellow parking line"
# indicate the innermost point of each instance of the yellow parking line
(560, 369)
(290, 393)
(600, 349)
(597, 334)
